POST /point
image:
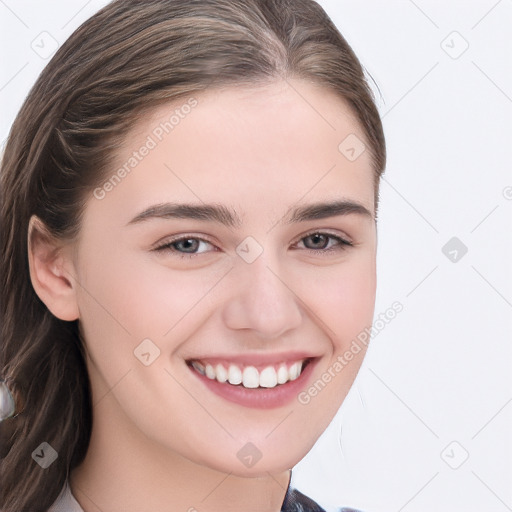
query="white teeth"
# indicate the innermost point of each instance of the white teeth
(234, 375)
(295, 370)
(210, 372)
(268, 378)
(250, 377)
(282, 374)
(222, 374)
(198, 367)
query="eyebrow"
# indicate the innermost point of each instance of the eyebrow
(223, 215)
(330, 209)
(209, 212)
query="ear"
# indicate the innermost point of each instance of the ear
(51, 271)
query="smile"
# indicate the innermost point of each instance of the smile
(249, 376)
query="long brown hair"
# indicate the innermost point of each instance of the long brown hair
(131, 56)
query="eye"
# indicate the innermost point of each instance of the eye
(190, 246)
(185, 246)
(324, 242)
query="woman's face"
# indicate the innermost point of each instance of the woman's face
(235, 237)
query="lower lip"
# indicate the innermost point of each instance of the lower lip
(259, 398)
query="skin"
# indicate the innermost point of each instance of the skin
(161, 440)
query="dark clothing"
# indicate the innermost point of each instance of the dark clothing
(295, 501)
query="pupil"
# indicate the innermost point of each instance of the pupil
(318, 239)
(188, 245)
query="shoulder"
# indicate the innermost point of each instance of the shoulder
(295, 501)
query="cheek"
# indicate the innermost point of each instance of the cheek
(136, 294)
(343, 297)
(344, 305)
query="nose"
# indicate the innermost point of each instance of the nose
(261, 301)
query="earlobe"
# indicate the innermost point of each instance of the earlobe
(51, 271)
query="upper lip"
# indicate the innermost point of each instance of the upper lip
(254, 359)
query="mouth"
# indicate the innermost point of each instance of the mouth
(261, 383)
(251, 376)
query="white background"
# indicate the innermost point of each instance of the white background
(436, 386)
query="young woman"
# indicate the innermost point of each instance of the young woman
(189, 199)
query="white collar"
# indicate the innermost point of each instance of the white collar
(66, 502)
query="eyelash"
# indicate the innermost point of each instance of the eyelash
(341, 245)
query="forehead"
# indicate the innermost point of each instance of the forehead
(265, 147)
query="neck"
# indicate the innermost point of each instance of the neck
(146, 477)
